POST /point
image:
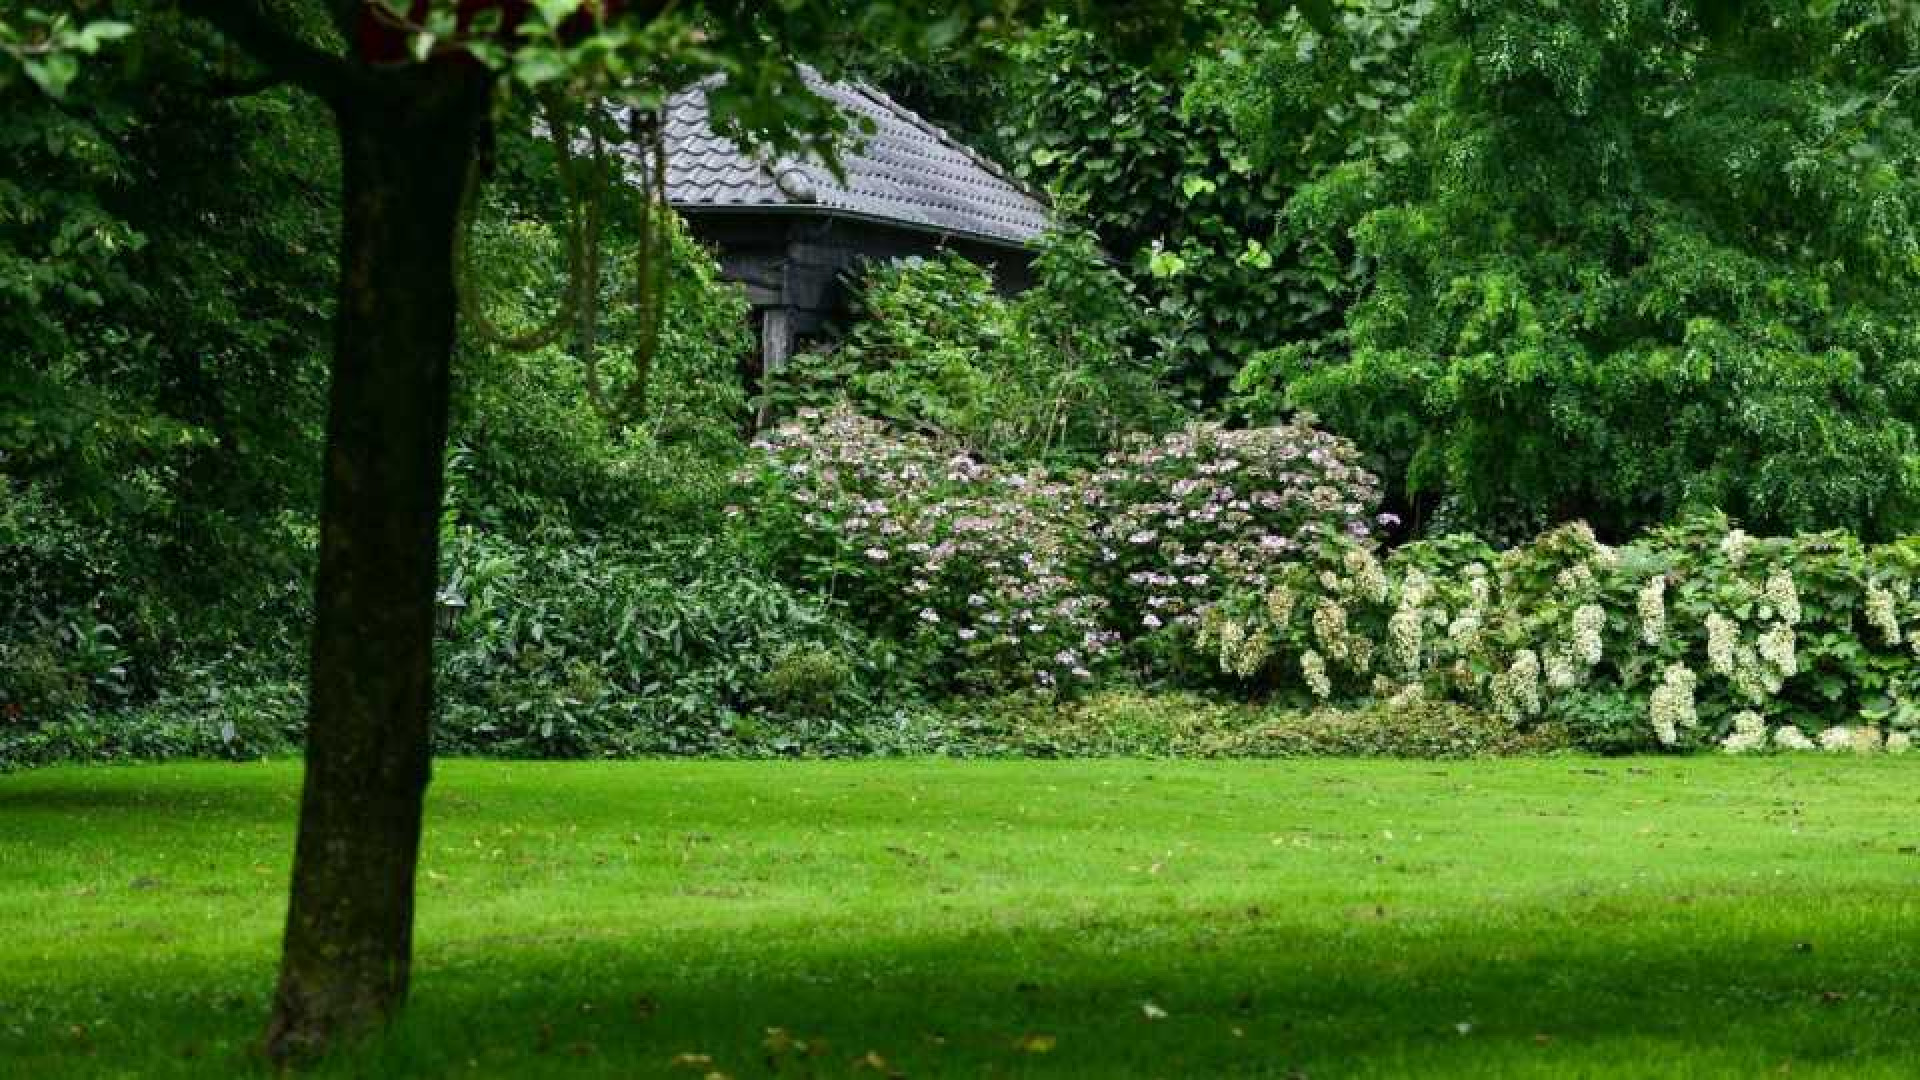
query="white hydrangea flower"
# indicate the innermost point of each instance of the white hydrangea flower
(1231, 635)
(1881, 614)
(1330, 628)
(1252, 655)
(1866, 739)
(1722, 635)
(1652, 603)
(1735, 546)
(1416, 590)
(1783, 597)
(1754, 681)
(1412, 693)
(1776, 647)
(1749, 733)
(1464, 632)
(1788, 737)
(1280, 604)
(1403, 639)
(1575, 579)
(1836, 738)
(1367, 578)
(1479, 590)
(1588, 622)
(1516, 691)
(1561, 672)
(1671, 705)
(1314, 670)
(1899, 742)
(1359, 654)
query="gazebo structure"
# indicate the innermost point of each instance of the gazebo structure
(789, 230)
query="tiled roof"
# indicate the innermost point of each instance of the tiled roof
(907, 172)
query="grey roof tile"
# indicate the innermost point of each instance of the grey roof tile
(907, 172)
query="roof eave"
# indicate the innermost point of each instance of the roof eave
(815, 210)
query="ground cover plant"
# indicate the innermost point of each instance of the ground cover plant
(1702, 917)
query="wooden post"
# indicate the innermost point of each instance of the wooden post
(776, 344)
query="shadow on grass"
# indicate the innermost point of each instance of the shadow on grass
(1203, 994)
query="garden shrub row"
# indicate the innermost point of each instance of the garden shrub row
(1247, 562)
(1694, 635)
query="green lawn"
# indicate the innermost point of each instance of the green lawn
(1120, 918)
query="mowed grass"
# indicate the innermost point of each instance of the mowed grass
(1549, 917)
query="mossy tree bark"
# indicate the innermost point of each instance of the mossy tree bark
(408, 139)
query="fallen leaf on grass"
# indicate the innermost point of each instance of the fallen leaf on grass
(1151, 1011)
(1035, 1044)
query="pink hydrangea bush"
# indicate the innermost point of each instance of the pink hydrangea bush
(1190, 516)
(976, 569)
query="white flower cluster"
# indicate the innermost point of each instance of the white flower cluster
(1479, 590)
(1671, 706)
(1516, 691)
(1776, 647)
(1881, 613)
(1788, 737)
(1365, 576)
(1330, 628)
(1723, 635)
(1241, 653)
(1749, 733)
(1575, 580)
(1899, 742)
(1280, 605)
(1562, 673)
(1652, 603)
(1588, 622)
(1464, 632)
(1783, 597)
(1736, 545)
(1314, 671)
(1404, 639)
(1836, 739)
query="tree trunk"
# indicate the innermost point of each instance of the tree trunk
(407, 141)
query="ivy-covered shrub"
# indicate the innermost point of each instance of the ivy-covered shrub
(1694, 635)
(976, 570)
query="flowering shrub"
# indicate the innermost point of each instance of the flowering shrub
(1697, 634)
(1003, 578)
(1205, 509)
(976, 567)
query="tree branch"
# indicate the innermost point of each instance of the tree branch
(248, 24)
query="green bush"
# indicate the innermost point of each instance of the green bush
(572, 647)
(1046, 374)
(237, 722)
